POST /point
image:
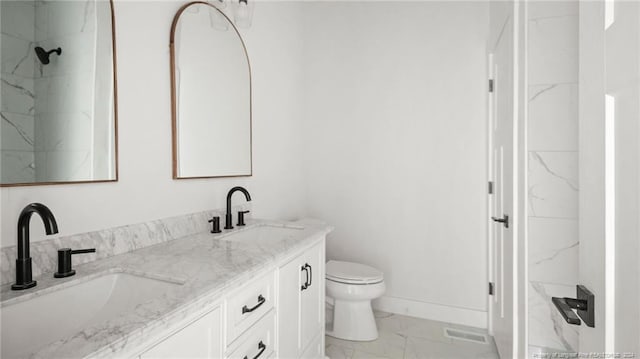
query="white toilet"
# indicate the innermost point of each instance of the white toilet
(352, 286)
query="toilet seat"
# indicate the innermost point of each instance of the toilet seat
(352, 273)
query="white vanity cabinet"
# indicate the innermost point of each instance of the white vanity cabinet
(201, 338)
(301, 305)
(279, 314)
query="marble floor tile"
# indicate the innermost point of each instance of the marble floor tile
(407, 337)
(388, 344)
(419, 348)
(364, 355)
(338, 352)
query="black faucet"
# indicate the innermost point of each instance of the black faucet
(228, 219)
(23, 262)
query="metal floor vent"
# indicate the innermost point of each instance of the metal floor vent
(464, 335)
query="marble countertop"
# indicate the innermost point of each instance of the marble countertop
(208, 265)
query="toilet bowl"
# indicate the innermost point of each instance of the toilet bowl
(352, 286)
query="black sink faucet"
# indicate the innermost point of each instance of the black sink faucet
(23, 261)
(228, 219)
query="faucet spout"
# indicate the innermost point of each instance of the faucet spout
(228, 217)
(23, 260)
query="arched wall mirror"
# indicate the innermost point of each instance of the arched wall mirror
(59, 97)
(211, 95)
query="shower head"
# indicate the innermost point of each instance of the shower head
(43, 55)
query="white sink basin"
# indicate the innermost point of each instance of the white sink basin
(30, 324)
(264, 234)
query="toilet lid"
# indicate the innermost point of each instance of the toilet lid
(348, 272)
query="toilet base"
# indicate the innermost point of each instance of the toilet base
(353, 320)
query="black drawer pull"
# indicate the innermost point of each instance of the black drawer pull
(262, 348)
(306, 280)
(310, 274)
(261, 301)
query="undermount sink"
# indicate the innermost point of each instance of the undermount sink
(32, 323)
(264, 234)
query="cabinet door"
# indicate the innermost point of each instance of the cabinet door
(289, 290)
(315, 349)
(200, 339)
(312, 297)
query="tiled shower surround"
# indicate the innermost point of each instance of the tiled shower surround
(42, 125)
(17, 107)
(553, 170)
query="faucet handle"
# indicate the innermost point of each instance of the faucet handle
(241, 217)
(64, 261)
(216, 224)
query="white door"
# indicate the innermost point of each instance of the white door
(609, 162)
(502, 148)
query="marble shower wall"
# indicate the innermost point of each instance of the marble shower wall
(49, 128)
(64, 124)
(553, 169)
(17, 100)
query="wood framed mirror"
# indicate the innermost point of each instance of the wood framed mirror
(59, 93)
(210, 95)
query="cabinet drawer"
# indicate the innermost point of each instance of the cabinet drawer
(248, 305)
(257, 343)
(199, 339)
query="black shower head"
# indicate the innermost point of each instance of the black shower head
(43, 55)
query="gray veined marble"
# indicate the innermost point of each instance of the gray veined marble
(547, 328)
(109, 242)
(22, 166)
(553, 250)
(552, 142)
(17, 132)
(553, 184)
(207, 265)
(17, 94)
(553, 118)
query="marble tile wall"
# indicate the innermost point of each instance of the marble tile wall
(552, 169)
(17, 98)
(63, 123)
(46, 134)
(110, 242)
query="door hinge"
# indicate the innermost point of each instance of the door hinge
(490, 288)
(490, 85)
(490, 187)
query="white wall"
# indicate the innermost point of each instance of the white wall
(145, 190)
(395, 148)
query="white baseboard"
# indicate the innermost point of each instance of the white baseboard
(439, 312)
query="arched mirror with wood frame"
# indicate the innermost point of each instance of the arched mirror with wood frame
(211, 95)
